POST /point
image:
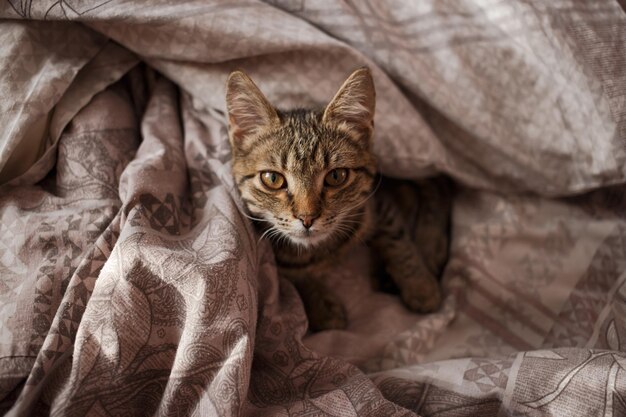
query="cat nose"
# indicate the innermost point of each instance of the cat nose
(307, 219)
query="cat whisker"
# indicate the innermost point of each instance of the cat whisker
(351, 232)
(276, 237)
(283, 239)
(343, 233)
(254, 218)
(268, 231)
(350, 221)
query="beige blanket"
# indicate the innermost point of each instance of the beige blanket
(131, 284)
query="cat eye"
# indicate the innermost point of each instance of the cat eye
(273, 180)
(336, 177)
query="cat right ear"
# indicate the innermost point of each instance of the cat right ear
(249, 112)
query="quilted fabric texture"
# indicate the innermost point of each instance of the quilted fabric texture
(131, 284)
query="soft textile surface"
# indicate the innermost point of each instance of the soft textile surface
(131, 284)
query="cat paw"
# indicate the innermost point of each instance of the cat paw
(425, 299)
(327, 313)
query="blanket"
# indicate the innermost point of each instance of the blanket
(131, 283)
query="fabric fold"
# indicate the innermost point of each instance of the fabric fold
(132, 283)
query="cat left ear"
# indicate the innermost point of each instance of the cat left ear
(353, 106)
(249, 112)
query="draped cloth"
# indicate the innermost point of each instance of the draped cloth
(132, 284)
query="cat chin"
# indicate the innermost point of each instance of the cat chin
(308, 241)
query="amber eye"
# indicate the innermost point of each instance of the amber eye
(336, 177)
(273, 180)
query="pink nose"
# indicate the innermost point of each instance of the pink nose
(308, 219)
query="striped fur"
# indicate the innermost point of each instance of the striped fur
(304, 146)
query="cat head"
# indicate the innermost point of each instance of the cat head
(306, 173)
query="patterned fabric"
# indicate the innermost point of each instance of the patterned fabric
(132, 284)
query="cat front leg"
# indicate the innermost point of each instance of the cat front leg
(323, 308)
(432, 231)
(419, 288)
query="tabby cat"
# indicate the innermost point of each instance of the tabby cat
(306, 178)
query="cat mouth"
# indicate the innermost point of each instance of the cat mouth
(307, 237)
(305, 234)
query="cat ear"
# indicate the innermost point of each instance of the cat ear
(249, 112)
(354, 104)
